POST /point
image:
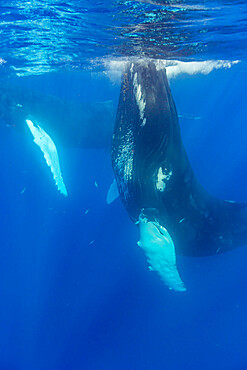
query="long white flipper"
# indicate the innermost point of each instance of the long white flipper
(47, 146)
(113, 192)
(159, 249)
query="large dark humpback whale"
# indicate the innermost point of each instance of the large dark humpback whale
(156, 183)
(72, 124)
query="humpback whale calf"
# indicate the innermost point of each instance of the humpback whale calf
(157, 186)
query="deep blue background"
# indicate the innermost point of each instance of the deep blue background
(69, 304)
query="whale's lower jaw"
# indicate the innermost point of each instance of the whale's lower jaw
(158, 246)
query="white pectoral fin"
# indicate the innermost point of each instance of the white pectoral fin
(160, 251)
(113, 192)
(48, 148)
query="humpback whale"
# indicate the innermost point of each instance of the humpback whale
(72, 124)
(157, 186)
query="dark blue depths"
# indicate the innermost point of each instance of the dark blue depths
(75, 289)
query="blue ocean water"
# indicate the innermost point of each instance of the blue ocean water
(75, 290)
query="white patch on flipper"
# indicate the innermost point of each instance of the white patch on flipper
(48, 148)
(113, 192)
(140, 100)
(162, 178)
(160, 251)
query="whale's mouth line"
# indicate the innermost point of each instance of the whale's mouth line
(146, 220)
(158, 228)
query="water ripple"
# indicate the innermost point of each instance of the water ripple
(37, 35)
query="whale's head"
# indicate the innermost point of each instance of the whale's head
(158, 246)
